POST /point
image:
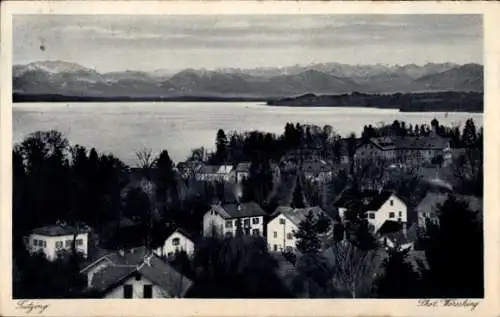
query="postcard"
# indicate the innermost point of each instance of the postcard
(250, 158)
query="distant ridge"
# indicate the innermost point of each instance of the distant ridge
(71, 79)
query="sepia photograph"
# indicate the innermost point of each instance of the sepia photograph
(248, 156)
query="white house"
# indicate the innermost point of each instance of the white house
(285, 223)
(135, 274)
(223, 219)
(214, 173)
(317, 170)
(179, 240)
(55, 238)
(379, 206)
(242, 171)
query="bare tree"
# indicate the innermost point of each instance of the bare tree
(145, 158)
(354, 269)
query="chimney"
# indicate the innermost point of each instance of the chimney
(147, 260)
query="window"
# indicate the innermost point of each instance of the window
(371, 215)
(35, 242)
(282, 221)
(275, 248)
(79, 241)
(289, 249)
(59, 244)
(275, 234)
(175, 241)
(400, 214)
(255, 232)
(246, 222)
(148, 291)
(255, 221)
(44, 243)
(68, 243)
(391, 202)
(289, 236)
(127, 291)
(229, 224)
(391, 215)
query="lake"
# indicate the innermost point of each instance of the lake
(124, 128)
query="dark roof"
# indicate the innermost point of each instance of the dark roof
(371, 200)
(155, 269)
(389, 227)
(316, 167)
(298, 215)
(58, 230)
(433, 200)
(243, 167)
(411, 143)
(187, 233)
(249, 209)
(208, 169)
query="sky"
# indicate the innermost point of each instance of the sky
(116, 43)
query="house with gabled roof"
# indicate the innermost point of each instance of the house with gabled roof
(222, 173)
(52, 239)
(422, 148)
(378, 206)
(135, 273)
(317, 170)
(428, 207)
(285, 222)
(222, 219)
(180, 240)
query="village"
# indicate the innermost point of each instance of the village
(306, 214)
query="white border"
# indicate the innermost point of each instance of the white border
(301, 307)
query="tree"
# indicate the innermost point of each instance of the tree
(458, 230)
(469, 134)
(145, 158)
(298, 195)
(221, 147)
(307, 236)
(166, 177)
(239, 267)
(399, 279)
(353, 268)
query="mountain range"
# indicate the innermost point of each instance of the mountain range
(71, 79)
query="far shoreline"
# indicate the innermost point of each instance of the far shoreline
(20, 98)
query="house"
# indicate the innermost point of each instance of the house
(242, 171)
(222, 173)
(429, 205)
(177, 241)
(284, 224)
(393, 234)
(317, 170)
(223, 219)
(135, 273)
(399, 148)
(53, 239)
(378, 206)
(187, 169)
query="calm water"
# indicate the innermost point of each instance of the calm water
(124, 128)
